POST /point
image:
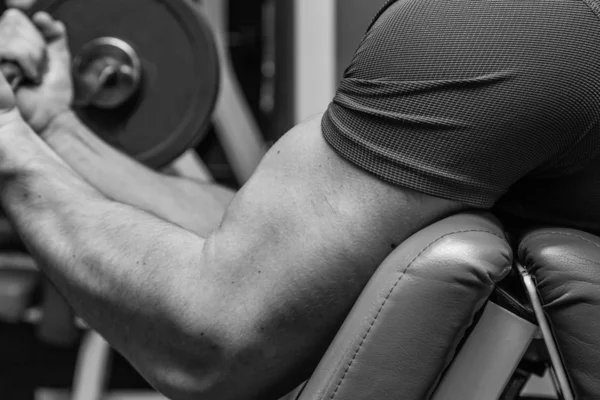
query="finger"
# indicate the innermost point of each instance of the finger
(7, 98)
(15, 15)
(20, 4)
(50, 28)
(19, 25)
(58, 47)
(31, 60)
(60, 41)
(29, 57)
(24, 44)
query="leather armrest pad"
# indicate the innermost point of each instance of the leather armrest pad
(404, 328)
(565, 264)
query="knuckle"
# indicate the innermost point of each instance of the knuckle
(29, 60)
(14, 15)
(8, 51)
(30, 53)
(22, 4)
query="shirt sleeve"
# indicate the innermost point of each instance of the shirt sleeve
(460, 99)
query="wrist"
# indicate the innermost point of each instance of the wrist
(57, 124)
(17, 143)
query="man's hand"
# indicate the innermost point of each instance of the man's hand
(39, 47)
(196, 206)
(41, 104)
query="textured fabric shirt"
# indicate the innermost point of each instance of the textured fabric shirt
(492, 103)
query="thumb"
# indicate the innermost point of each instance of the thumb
(53, 31)
(55, 34)
(7, 96)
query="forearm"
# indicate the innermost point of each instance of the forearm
(125, 272)
(196, 206)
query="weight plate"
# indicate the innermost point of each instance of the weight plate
(179, 80)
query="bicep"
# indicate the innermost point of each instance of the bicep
(401, 147)
(306, 199)
(301, 240)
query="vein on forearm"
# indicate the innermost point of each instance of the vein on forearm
(118, 266)
(192, 205)
(134, 278)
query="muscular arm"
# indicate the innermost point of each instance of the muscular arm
(256, 303)
(196, 206)
(232, 316)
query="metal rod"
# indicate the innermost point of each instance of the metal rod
(564, 387)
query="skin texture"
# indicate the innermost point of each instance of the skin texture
(196, 206)
(203, 307)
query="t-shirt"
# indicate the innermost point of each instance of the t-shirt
(492, 103)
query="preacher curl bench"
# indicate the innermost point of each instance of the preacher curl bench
(446, 317)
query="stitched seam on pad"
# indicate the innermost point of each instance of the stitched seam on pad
(339, 384)
(560, 234)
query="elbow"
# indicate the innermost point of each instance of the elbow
(229, 345)
(185, 383)
(214, 368)
(198, 369)
(195, 380)
(189, 376)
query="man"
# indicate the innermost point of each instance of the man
(447, 105)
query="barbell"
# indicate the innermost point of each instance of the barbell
(145, 72)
